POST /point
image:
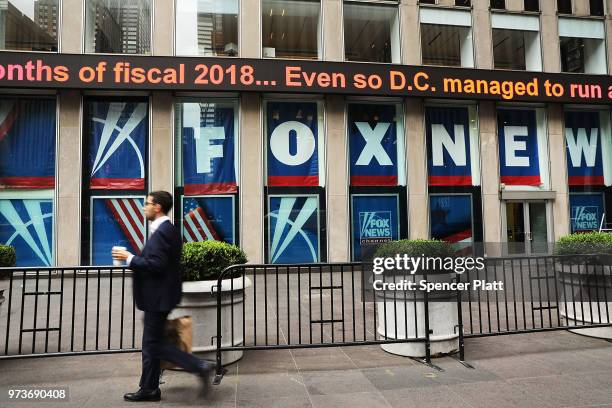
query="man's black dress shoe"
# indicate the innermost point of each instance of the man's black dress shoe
(205, 374)
(142, 395)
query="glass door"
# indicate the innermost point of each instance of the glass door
(526, 227)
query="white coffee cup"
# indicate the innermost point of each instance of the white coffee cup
(119, 262)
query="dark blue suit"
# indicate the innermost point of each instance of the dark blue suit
(157, 290)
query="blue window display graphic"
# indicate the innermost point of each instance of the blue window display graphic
(584, 149)
(451, 217)
(209, 218)
(116, 221)
(373, 145)
(292, 133)
(586, 211)
(208, 147)
(27, 225)
(293, 229)
(27, 143)
(118, 132)
(375, 219)
(448, 146)
(518, 147)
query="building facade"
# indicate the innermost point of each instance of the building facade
(301, 176)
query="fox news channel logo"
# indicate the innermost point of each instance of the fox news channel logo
(375, 227)
(585, 218)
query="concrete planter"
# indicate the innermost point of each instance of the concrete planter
(402, 317)
(582, 301)
(199, 303)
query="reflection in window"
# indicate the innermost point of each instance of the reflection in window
(531, 5)
(29, 25)
(207, 27)
(446, 45)
(596, 7)
(582, 44)
(516, 41)
(371, 33)
(572, 54)
(118, 26)
(564, 6)
(291, 29)
(498, 4)
(451, 218)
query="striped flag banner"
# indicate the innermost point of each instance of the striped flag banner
(129, 216)
(197, 227)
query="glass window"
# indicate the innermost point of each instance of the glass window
(498, 4)
(523, 148)
(27, 178)
(294, 144)
(118, 26)
(376, 145)
(453, 157)
(206, 27)
(427, 1)
(463, 3)
(207, 168)
(451, 218)
(596, 7)
(582, 44)
(116, 136)
(532, 5)
(371, 33)
(516, 49)
(294, 229)
(116, 221)
(29, 25)
(588, 137)
(291, 29)
(564, 6)
(446, 37)
(375, 218)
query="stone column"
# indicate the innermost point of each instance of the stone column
(161, 149)
(481, 31)
(489, 162)
(71, 28)
(163, 27)
(250, 29)
(558, 170)
(337, 181)
(549, 36)
(251, 178)
(333, 37)
(410, 29)
(416, 159)
(68, 182)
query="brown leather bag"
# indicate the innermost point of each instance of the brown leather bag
(179, 333)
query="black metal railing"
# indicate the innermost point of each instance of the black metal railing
(541, 293)
(62, 311)
(310, 305)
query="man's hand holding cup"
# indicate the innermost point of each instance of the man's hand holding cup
(120, 255)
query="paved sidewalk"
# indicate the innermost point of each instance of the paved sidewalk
(557, 369)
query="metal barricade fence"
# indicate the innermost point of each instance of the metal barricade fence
(541, 293)
(67, 311)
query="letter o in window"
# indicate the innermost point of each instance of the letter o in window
(279, 143)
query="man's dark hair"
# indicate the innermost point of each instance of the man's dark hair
(163, 198)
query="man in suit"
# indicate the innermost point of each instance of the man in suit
(157, 290)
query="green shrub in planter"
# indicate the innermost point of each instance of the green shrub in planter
(206, 260)
(585, 244)
(416, 247)
(7, 259)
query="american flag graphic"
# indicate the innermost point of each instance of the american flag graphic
(9, 111)
(197, 227)
(128, 214)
